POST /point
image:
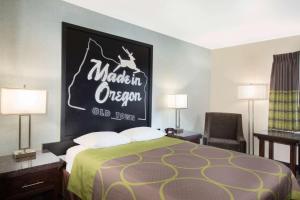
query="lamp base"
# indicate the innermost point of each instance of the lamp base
(178, 130)
(24, 154)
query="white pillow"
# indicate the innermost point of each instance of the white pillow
(101, 139)
(142, 133)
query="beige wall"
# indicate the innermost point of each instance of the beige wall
(30, 53)
(250, 63)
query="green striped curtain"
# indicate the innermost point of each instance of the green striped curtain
(284, 107)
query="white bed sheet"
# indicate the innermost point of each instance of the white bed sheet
(71, 154)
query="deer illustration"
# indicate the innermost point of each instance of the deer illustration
(127, 63)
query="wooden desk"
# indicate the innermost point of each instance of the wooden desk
(286, 138)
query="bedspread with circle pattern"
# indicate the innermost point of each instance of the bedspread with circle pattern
(188, 171)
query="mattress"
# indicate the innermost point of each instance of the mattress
(173, 169)
(71, 154)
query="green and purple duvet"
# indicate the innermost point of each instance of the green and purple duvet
(169, 168)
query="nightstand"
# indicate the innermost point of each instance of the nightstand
(188, 136)
(40, 178)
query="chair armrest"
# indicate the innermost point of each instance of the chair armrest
(242, 142)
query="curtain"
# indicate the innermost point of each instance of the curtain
(284, 112)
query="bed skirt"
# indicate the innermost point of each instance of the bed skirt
(66, 193)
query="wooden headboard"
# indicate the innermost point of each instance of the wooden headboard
(106, 84)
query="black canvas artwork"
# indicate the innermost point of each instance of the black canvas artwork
(106, 82)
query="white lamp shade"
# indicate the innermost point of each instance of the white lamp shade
(23, 101)
(252, 92)
(178, 101)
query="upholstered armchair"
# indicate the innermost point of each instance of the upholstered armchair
(224, 130)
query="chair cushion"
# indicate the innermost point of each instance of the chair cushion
(225, 144)
(223, 141)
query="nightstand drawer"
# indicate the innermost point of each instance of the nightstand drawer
(188, 136)
(38, 178)
(29, 182)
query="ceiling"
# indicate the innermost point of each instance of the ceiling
(208, 23)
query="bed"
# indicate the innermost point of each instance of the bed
(165, 168)
(169, 168)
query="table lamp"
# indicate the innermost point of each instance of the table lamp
(23, 102)
(178, 102)
(252, 92)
